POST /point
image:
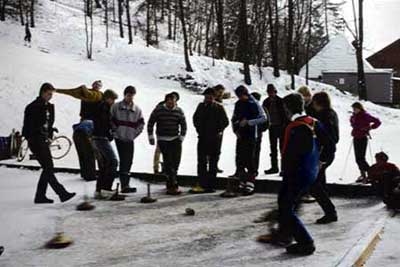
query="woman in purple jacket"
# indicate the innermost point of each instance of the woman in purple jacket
(362, 122)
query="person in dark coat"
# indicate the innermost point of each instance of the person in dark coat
(210, 121)
(300, 169)
(38, 129)
(247, 116)
(273, 104)
(219, 90)
(362, 122)
(171, 130)
(101, 142)
(330, 123)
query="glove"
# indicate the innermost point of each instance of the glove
(152, 141)
(243, 123)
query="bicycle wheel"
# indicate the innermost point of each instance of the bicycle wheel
(23, 150)
(60, 146)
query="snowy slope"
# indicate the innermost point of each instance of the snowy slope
(57, 56)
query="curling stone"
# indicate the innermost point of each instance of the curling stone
(148, 198)
(189, 212)
(59, 241)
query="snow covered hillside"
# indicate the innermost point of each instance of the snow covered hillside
(58, 56)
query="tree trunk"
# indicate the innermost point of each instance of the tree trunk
(326, 19)
(219, 8)
(244, 42)
(289, 44)
(169, 19)
(308, 40)
(21, 12)
(148, 32)
(88, 14)
(362, 87)
(185, 38)
(273, 27)
(32, 13)
(106, 21)
(3, 4)
(120, 13)
(128, 18)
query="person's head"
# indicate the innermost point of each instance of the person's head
(242, 93)
(321, 101)
(256, 96)
(294, 103)
(176, 95)
(170, 100)
(381, 158)
(209, 95)
(46, 91)
(357, 107)
(271, 90)
(97, 85)
(110, 96)
(305, 92)
(219, 90)
(129, 94)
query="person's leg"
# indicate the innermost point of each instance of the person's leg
(156, 160)
(166, 153)
(274, 134)
(213, 157)
(360, 149)
(85, 155)
(257, 153)
(125, 152)
(202, 162)
(248, 153)
(176, 149)
(111, 164)
(219, 148)
(101, 162)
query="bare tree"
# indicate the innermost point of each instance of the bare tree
(106, 21)
(244, 41)
(120, 22)
(21, 12)
(32, 13)
(289, 42)
(128, 18)
(219, 8)
(362, 87)
(3, 4)
(89, 27)
(185, 37)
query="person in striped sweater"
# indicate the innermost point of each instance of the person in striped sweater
(171, 129)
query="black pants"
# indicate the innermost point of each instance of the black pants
(245, 149)
(257, 153)
(40, 148)
(207, 161)
(275, 136)
(171, 152)
(360, 150)
(125, 152)
(107, 161)
(318, 190)
(219, 146)
(87, 160)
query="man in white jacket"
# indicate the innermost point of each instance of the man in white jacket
(128, 124)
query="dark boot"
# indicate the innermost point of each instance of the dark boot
(328, 218)
(273, 170)
(43, 200)
(66, 196)
(301, 249)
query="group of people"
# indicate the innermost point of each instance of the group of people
(303, 134)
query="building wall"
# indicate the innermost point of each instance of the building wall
(379, 84)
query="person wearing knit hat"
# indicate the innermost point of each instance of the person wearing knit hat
(210, 121)
(101, 142)
(300, 161)
(248, 115)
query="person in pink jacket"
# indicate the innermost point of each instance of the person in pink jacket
(362, 122)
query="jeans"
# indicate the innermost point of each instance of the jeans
(360, 149)
(107, 161)
(125, 152)
(289, 223)
(40, 148)
(207, 161)
(171, 152)
(87, 160)
(275, 135)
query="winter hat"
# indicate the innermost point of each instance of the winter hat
(176, 95)
(46, 87)
(219, 87)
(209, 91)
(130, 90)
(98, 84)
(294, 103)
(304, 91)
(241, 90)
(110, 94)
(256, 95)
(271, 88)
(382, 156)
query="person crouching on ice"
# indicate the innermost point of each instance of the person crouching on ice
(171, 131)
(300, 162)
(210, 121)
(247, 116)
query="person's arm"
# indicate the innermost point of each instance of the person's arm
(150, 126)
(261, 118)
(113, 113)
(29, 122)
(235, 120)
(326, 141)
(196, 118)
(183, 125)
(374, 122)
(82, 93)
(224, 119)
(140, 123)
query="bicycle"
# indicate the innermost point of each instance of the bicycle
(59, 147)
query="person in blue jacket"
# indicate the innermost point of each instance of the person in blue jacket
(247, 117)
(300, 162)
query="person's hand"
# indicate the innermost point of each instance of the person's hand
(181, 138)
(152, 142)
(243, 123)
(55, 130)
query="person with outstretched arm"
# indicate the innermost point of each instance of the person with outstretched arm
(38, 130)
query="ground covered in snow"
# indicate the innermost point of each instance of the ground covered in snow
(133, 234)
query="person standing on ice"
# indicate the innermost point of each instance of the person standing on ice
(300, 162)
(248, 115)
(330, 123)
(210, 121)
(128, 124)
(273, 104)
(362, 122)
(171, 130)
(90, 98)
(219, 98)
(28, 35)
(38, 130)
(101, 142)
